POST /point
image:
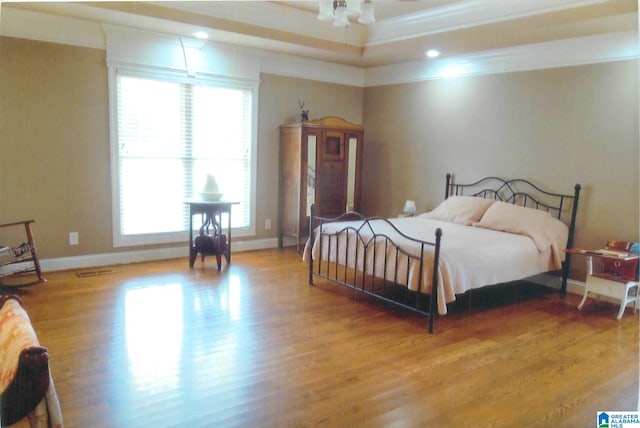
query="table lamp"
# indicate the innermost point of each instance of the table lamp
(409, 209)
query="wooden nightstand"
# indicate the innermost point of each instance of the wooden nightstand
(611, 273)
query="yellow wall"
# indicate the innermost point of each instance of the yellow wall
(54, 142)
(54, 146)
(555, 127)
(279, 98)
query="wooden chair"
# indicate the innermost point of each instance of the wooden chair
(20, 260)
(613, 277)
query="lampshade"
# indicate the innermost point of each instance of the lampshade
(409, 206)
(340, 11)
(340, 18)
(325, 10)
(366, 13)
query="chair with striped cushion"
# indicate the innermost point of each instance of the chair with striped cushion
(19, 263)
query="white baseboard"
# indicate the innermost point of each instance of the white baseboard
(573, 286)
(288, 241)
(555, 282)
(124, 257)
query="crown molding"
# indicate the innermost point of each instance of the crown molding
(293, 61)
(562, 53)
(305, 68)
(45, 27)
(463, 14)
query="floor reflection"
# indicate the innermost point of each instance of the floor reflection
(153, 329)
(185, 341)
(230, 299)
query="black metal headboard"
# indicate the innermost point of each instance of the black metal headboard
(524, 193)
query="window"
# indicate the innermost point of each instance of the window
(169, 133)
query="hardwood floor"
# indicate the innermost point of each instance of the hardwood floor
(160, 345)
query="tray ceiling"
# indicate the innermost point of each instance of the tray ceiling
(403, 31)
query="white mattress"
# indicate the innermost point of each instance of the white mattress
(470, 257)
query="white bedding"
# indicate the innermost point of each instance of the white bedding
(470, 256)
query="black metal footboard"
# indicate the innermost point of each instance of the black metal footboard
(372, 256)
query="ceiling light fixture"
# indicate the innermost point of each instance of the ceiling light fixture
(201, 35)
(433, 53)
(339, 11)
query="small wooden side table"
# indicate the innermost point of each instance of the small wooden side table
(211, 217)
(614, 285)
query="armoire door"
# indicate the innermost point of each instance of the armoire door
(332, 174)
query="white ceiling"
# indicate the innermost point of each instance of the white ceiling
(403, 31)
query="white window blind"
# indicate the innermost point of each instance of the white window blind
(170, 135)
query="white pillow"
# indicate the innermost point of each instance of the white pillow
(460, 209)
(540, 226)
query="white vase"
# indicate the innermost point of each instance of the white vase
(210, 191)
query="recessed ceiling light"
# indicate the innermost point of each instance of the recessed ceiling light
(201, 35)
(433, 53)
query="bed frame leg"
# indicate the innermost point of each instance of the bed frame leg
(432, 319)
(311, 239)
(433, 301)
(565, 274)
(566, 267)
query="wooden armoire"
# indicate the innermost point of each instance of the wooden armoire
(320, 163)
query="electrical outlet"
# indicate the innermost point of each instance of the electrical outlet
(73, 238)
(267, 224)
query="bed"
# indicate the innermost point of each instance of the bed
(487, 232)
